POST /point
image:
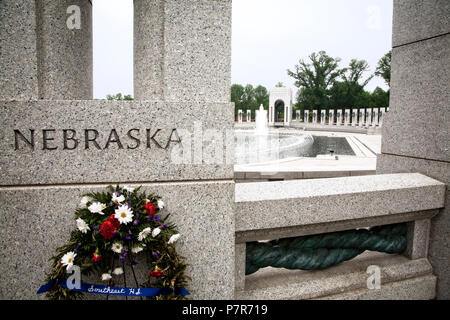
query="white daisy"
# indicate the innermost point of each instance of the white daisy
(82, 225)
(118, 271)
(116, 198)
(97, 207)
(106, 277)
(67, 259)
(161, 204)
(124, 214)
(155, 232)
(174, 238)
(137, 249)
(144, 233)
(84, 201)
(117, 247)
(129, 189)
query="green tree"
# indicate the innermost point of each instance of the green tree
(279, 85)
(119, 97)
(261, 97)
(237, 93)
(350, 93)
(248, 98)
(315, 79)
(380, 98)
(384, 68)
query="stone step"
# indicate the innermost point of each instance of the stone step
(345, 281)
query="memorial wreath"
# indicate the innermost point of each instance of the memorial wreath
(114, 230)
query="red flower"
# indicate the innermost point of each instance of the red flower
(150, 208)
(157, 273)
(114, 221)
(107, 229)
(96, 257)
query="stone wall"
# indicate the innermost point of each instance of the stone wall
(416, 136)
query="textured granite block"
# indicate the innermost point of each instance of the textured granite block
(418, 236)
(418, 121)
(149, 49)
(302, 202)
(105, 155)
(39, 220)
(183, 50)
(65, 54)
(18, 59)
(422, 288)
(415, 20)
(281, 284)
(310, 229)
(439, 247)
(239, 268)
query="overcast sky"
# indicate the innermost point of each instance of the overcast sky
(269, 37)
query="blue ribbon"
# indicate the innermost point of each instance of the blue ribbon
(116, 291)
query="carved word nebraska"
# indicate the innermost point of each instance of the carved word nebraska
(70, 139)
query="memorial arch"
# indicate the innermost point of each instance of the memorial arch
(280, 106)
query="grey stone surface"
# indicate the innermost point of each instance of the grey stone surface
(149, 49)
(271, 283)
(18, 60)
(239, 268)
(65, 58)
(418, 121)
(439, 249)
(309, 229)
(81, 165)
(415, 20)
(192, 60)
(421, 288)
(418, 236)
(39, 220)
(303, 202)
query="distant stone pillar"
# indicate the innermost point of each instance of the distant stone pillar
(64, 46)
(18, 59)
(354, 117)
(171, 65)
(362, 117)
(416, 133)
(331, 117)
(339, 117)
(368, 117)
(347, 117)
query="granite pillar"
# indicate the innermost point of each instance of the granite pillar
(64, 41)
(181, 50)
(18, 47)
(416, 133)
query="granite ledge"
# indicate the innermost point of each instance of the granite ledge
(307, 202)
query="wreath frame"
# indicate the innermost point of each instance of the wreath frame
(93, 251)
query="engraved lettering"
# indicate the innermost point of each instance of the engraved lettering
(177, 138)
(138, 142)
(71, 138)
(18, 135)
(149, 138)
(87, 139)
(114, 139)
(46, 139)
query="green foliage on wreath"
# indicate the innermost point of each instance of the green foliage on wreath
(93, 252)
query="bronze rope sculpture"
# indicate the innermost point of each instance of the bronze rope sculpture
(324, 250)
